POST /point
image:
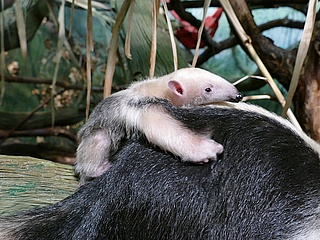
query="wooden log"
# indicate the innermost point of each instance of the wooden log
(27, 183)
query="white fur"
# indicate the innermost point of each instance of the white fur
(310, 230)
(192, 81)
(98, 141)
(184, 87)
(164, 131)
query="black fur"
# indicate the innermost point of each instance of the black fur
(264, 186)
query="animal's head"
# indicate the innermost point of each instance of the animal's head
(194, 86)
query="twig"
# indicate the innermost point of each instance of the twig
(257, 97)
(41, 105)
(172, 39)
(153, 51)
(56, 131)
(89, 48)
(65, 85)
(127, 45)
(61, 37)
(302, 53)
(113, 46)
(206, 5)
(2, 53)
(249, 76)
(233, 41)
(245, 39)
(256, 3)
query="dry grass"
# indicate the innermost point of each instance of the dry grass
(29, 182)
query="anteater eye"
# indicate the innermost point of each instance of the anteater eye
(208, 89)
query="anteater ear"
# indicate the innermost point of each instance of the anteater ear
(176, 87)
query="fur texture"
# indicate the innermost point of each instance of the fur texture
(265, 185)
(132, 111)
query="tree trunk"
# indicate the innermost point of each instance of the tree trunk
(280, 64)
(307, 97)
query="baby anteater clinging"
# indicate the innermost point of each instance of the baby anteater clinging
(130, 111)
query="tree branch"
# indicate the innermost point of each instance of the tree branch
(233, 41)
(278, 61)
(63, 84)
(256, 3)
(64, 117)
(56, 131)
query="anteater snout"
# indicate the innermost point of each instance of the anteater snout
(238, 98)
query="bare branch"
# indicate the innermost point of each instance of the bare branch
(64, 117)
(233, 41)
(280, 62)
(56, 131)
(255, 3)
(64, 85)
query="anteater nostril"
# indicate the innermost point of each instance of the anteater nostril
(239, 97)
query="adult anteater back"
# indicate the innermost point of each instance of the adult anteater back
(265, 186)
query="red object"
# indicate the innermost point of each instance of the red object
(188, 34)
